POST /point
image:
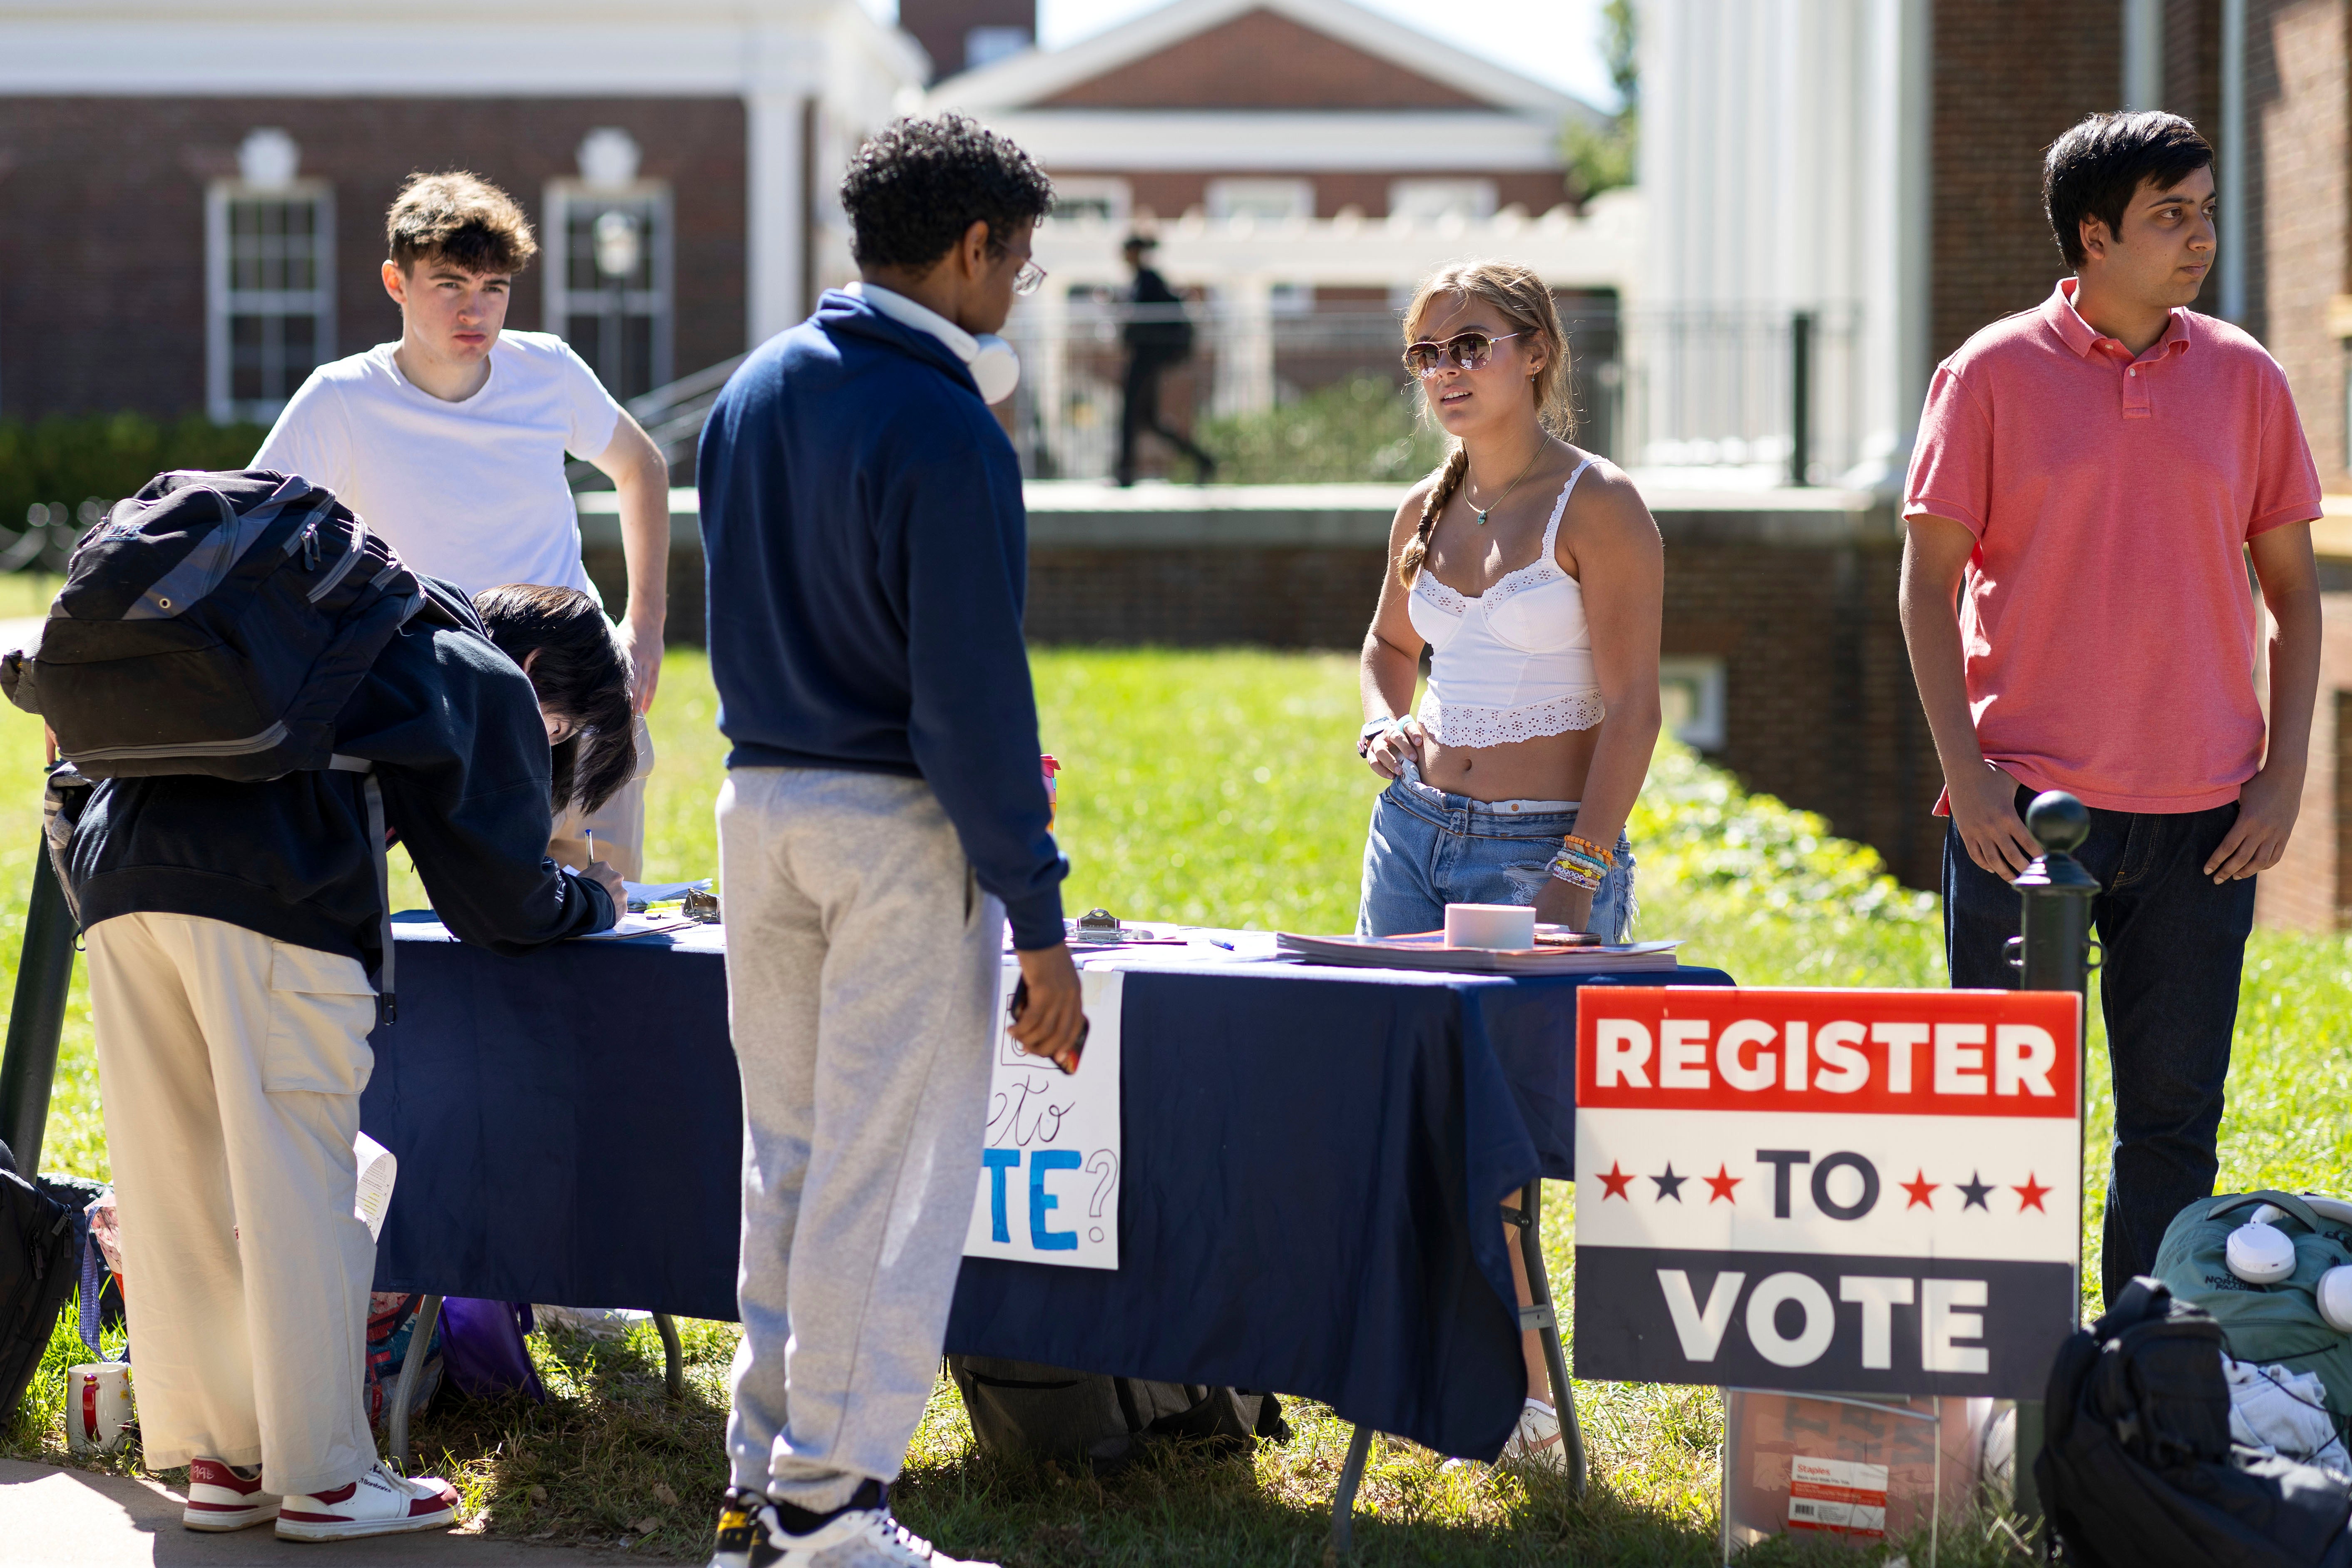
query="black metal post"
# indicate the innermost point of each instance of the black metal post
(2054, 894)
(1801, 398)
(38, 1016)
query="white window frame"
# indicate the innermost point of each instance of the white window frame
(1701, 676)
(658, 302)
(1117, 195)
(1415, 193)
(1295, 198)
(222, 302)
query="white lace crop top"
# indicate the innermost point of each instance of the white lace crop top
(1514, 663)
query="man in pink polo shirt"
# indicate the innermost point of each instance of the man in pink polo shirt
(2090, 476)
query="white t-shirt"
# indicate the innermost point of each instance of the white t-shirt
(471, 491)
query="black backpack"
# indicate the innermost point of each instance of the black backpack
(41, 1235)
(2136, 1468)
(216, 624)
(1102, 1422)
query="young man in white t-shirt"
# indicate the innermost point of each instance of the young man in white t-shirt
(451, 443)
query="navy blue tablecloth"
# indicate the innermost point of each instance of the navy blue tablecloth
(1312, 1162)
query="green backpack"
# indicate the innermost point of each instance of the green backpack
(2265, 1323)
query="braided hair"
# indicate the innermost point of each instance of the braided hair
(1526, 304)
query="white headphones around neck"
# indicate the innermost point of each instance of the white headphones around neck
(995, 369)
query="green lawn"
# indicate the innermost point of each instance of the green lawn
(1223, 786)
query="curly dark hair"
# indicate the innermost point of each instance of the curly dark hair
(917, 185)
(2098, 165)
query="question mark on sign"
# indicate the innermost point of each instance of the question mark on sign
(1107, 1162)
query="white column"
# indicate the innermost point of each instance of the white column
(774, 290)
(2232, 172)
(2143, 54)
(1246, 345)
(1045, 362)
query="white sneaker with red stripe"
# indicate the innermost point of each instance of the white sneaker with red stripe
(1537, 1442)
(381, 1502)
(226, 1497)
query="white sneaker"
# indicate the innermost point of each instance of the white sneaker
(381, 1502)
(225, 1497)
(1537, 1442)
(862, 1538)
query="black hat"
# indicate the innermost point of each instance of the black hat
(1141, 242)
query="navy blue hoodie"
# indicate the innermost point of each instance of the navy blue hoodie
(453, 730)
(867, 554)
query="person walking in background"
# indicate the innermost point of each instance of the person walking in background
(1158, 337)
(884, 815)
(2089, 478)
(450, 442)
(1535, 575)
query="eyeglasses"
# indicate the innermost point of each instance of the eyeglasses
(1469, 350)
(1029, 280)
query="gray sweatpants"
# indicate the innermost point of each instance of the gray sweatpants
(862, 979)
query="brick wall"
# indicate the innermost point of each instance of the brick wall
(2009, 76)
(1261, 60)
(2296, 92)
(1170, 192)
(102, 221)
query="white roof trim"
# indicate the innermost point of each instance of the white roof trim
(1024, 80)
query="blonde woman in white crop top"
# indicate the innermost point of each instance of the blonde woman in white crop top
(1534, 574)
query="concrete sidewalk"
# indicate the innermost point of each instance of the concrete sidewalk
(53, 1518)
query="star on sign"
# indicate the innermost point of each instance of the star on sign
(1973, 1191)
(1922, 1191)
(1722, 1182)
(1669, 1185)
(1615, 1180)
(2029, 1195)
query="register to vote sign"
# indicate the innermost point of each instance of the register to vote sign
(1050, 1159)
(1856, 1191)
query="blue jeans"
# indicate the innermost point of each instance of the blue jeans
(1428, 849)
(2173, 944)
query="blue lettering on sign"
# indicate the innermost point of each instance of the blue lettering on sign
(998, 1162)
(1040, 1200)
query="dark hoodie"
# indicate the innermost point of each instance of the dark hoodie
(453, 730)
(868, 553)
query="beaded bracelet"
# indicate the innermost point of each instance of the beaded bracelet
(1575, 876)
(1607, 857)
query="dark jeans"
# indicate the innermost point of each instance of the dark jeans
(2173, 944)
(1140, 411)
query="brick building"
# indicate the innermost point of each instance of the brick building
(192, 199)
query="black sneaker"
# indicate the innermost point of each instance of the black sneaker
(743, 1532)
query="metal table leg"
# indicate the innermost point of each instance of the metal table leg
(1343, 1501)
(412, 1369)
(1542, 1318)
(673, 1355)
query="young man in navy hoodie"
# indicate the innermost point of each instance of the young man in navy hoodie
(884, 816)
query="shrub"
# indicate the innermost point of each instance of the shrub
(1364, 429)
(61, 463)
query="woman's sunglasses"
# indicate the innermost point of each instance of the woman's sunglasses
(1469, 350)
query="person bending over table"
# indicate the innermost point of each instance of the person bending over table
(884, 815)
(582, 676)
(228, 926)
(1534, 574)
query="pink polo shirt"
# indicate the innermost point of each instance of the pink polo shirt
(2106, 617)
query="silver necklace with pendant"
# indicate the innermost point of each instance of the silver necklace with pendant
(1482, 513)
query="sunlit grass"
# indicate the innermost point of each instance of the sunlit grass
(1223, 786)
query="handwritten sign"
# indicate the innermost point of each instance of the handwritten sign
(1050, 1161)
(1868, 1192)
